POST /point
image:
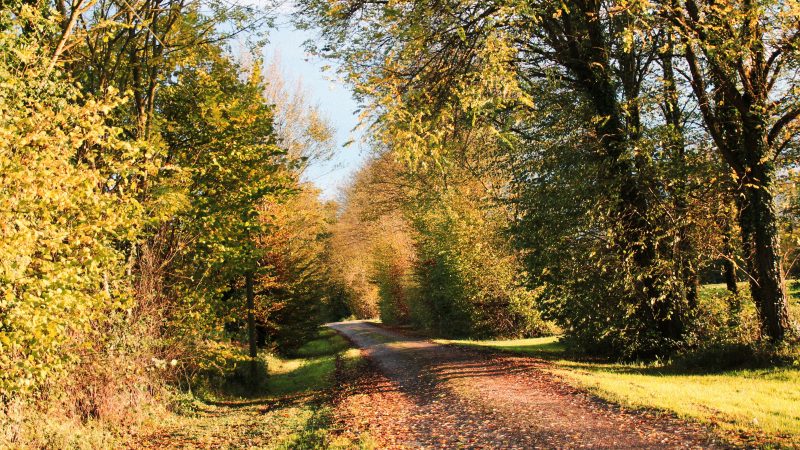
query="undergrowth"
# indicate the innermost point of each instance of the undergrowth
(292, 409)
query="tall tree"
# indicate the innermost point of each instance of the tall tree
(742, 57)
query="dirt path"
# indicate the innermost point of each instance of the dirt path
(429, 395)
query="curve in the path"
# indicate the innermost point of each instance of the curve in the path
(468, 399)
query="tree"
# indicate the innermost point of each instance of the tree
(740, 56)
(295, 283)
(133, 223)
(302, 129)
(223, 164)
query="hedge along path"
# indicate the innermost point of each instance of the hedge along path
(428, 395)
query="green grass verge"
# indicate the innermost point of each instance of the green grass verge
(312, 369)
(761, 403)
(294, 413)
(327, 343)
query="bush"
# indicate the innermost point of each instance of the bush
(470, 282)
(225, 370)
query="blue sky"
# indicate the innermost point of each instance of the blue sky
(333, 97)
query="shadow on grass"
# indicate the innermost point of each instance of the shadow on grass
(543, 348)
(310, 371)
(713, 360)
(280, 402)
(547, 350)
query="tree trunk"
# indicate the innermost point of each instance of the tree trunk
(686, 256)
(759, 224)
(251, 326)
(728, 267)
(729, 273)
(251, 317)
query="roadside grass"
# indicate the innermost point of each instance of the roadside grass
(751, 405)
(758, 404)
(328, 342)
(312, 367)
(295, 411)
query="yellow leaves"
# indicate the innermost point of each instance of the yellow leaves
(561, 10)
(60, 227)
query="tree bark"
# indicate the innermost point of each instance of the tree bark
(251, 326)
(251, 317)
(728, 266)
(759, 223)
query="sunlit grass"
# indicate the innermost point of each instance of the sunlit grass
(311, 369)
(541, 346)
(763, 401)
(312, 366)
(328, 342)
(720, 290)
(291, 376)
(293, 413)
